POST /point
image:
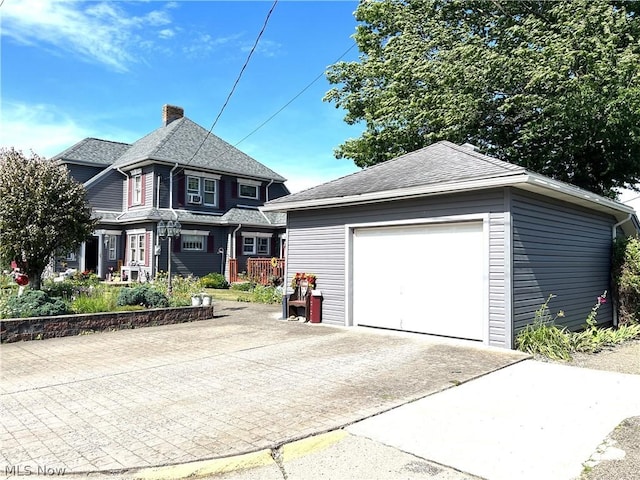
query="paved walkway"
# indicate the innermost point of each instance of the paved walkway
(241, 382)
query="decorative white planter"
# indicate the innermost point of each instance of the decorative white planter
(206, 300)
(196, 301)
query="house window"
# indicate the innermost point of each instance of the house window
(137, 189)
(194, 243)
(263, 245)
(136, 248)
(248, 245)
(209, 192)
(247, 191)
(111, 247)
(256, 245)
(193, 185)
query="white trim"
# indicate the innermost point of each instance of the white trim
(251, 183)
(194, 173)
(136, 231)
(107, 232)
(525, 180)
(202, 233)
(136, 171)
(256, 234)
(348, 267)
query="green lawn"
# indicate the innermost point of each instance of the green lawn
(232, 295)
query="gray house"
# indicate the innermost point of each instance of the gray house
(450, 242)
(179, 172)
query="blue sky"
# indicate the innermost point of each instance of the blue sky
(104, 69)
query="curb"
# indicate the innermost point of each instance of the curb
(261, 458)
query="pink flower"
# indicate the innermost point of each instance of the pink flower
(602, 300)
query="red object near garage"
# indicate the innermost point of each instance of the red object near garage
(22, 279)
(315, 307)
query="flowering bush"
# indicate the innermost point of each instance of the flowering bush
(299, 277)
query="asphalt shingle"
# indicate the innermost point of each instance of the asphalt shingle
(442, 162)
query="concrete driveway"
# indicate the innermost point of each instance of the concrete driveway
(241, 382)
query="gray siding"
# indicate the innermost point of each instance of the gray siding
(109, 193)
(82, 173)
(562, 250)
(195, 263)
(316, 243)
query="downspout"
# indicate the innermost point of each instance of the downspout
(127, 176)
(614, 234)
(232, 255)
(267, 190)
(175, 214)
(157, 242)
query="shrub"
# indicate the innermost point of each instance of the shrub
(142, 295)
(214, 280)
(542, 337)
(243, 286)
(95, 300)
(183, 288)
(262, 294)
(62, 289)
(33, 303)
(626, 278)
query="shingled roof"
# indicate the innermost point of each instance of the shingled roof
(179, 140)
(442, 162)
(93, 151)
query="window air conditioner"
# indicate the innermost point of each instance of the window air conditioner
(193, 198)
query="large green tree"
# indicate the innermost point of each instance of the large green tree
(42, 211)
(553, 86)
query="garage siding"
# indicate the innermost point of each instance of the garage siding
(316, 243)
(562, 250)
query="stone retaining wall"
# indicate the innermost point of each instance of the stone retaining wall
(39, 328)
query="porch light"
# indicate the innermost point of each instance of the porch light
(169, 230)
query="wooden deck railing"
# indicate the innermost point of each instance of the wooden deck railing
(259, 270)
(262, 270)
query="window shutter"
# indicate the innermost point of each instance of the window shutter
(221, 202)
(262, 193)
(144, 192)
(129, 191)
(234, 190)
(181, 191)
(210, 244)
(177, 241)
(274, 246)
(238, 245)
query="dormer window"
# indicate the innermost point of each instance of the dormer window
(209, 192)
(248, 189)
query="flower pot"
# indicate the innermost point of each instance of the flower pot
(196, 301)
(206, 300)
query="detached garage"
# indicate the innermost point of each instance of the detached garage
(450, 242)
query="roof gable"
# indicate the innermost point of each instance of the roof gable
(179, 140)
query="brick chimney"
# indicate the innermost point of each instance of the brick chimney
(171, 113)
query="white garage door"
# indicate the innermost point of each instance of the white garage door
(424, 278)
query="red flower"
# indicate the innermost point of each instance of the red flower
(22, 280)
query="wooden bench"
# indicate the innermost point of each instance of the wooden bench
(300, 299)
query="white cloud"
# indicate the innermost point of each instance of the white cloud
(38, 128)
(166, 33)
(102, 32)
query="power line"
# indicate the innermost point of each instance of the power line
(264, 26)
(291, 101)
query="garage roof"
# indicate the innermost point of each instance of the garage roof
(440, 168)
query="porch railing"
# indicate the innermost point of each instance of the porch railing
(262, 270)
(259, 270)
